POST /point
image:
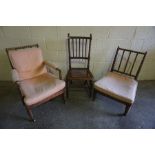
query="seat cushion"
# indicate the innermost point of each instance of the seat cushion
(118, 86)
(28, 62)
(39, 88)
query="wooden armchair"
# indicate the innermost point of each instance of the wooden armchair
(79, 48)
(121, 83)
(34, 77)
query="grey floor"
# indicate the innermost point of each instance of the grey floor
(79, 112)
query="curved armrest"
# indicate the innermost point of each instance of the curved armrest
(50, 65)
(15, 75)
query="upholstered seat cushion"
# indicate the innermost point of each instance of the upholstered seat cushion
(118, 86)
(39, 88)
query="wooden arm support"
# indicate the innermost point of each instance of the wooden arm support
(50, 65)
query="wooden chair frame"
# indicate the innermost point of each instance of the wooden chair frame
(59, 93)
(130, 52)
(79, 48)
(124, 72)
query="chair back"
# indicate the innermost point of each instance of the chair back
(27, 61)
(79, 50)
(128, 62)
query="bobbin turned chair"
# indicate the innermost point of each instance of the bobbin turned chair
(121, 82)
(79, 48)
(34, 77)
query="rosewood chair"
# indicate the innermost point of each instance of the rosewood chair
(34, 77)
(121, 82)
(79, 55)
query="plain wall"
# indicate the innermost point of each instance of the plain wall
(105, 41)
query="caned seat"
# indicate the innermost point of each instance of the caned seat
(118, 86)
(79, 48)
(79, 73)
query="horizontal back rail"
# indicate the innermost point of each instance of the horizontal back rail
(18, 48)
(78, 58)
(22, 47)
(130, 50)
(78, 37)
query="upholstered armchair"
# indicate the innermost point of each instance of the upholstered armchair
(36, 78)
(121, 82)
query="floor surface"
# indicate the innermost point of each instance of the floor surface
(79, 112)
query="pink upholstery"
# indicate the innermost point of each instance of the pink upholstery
(30, 73)
(39, 88)
(118, 86)
(27, 62)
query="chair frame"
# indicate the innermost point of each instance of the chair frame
(79, 51)
(57, 94)
(135, 76)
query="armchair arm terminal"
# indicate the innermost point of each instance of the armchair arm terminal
(50, 65)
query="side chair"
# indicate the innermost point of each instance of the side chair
(121, 82)
(79, 48)
(35, 78)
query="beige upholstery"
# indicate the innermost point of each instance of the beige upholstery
(27, 62)
(118, 86)
(39, 88)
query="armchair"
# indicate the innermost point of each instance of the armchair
(34, 77)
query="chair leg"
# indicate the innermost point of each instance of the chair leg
(67, 87)
(29, 111)
(91, 87)
(127, 108)
(63, 97)
(88, 82)
(94, 94)
(85, 82)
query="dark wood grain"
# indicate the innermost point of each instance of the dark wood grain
(126, 61)
(113, 69)
(82, 50)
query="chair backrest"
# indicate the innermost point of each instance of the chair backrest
(79, 49)
(27, 61)
(128, 62)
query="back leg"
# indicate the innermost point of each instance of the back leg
(29, 111)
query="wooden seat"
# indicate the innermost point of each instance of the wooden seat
(79, 60)
(121, 82)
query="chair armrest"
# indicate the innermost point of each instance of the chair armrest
(15, 75)
(50, 65)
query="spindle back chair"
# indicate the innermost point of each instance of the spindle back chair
(121, 82)
(79, 48)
